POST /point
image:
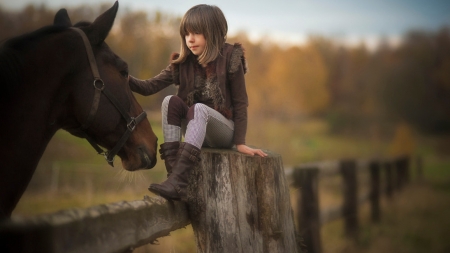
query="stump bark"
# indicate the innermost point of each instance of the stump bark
(240, 203)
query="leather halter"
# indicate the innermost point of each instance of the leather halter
(99, 87)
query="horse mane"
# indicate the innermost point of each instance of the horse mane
(12, 59)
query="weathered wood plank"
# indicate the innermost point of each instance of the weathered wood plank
(241, 203)
(115, 227)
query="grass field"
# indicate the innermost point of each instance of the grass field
(415, 220)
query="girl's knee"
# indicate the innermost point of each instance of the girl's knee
(173, 102)
(197, 110)
(177, 101)
(166, 100)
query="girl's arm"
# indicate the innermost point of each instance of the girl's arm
(153, 85)
(240, 103)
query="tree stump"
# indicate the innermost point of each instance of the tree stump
(239, 203)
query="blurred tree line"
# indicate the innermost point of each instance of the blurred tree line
(357, 90)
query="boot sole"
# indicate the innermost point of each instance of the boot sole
(162, 193)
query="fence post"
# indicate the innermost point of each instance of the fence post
(350, 207)
(375, 190)
(239, 203)
(389, 178)
(399, 177)
(403, 166)
(308, 207)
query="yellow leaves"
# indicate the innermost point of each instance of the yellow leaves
(294, 82)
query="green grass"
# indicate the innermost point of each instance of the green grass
(416, 220)
(309, 140)
(71, 174)
(437, 170)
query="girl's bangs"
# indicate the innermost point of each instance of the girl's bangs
(192, 24)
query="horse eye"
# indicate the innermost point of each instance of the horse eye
(124, 73)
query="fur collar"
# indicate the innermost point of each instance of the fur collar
(206, 85)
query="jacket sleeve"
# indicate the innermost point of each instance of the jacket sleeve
(239, 98)
(153, 85)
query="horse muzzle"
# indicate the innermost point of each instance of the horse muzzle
(146, 161)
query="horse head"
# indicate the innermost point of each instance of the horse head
(103, 104)
(48, 82)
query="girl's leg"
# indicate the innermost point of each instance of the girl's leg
(173, 111)
(207, 127)
(204, 126)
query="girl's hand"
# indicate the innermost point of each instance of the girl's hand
(250, 151)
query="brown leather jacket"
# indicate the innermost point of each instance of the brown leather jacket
(226, 72)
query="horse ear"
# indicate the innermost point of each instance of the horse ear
(101, 26)
(62, 18)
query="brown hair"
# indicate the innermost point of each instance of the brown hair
(209, 21)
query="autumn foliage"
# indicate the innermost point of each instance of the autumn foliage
(353, 88)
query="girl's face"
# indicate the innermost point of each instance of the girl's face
(196, 42)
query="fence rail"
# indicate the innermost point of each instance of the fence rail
(120, 227)
(117, 227)
(236, 203)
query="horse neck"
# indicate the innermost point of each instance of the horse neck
(29, 127)
(28, 130)
(25, 133)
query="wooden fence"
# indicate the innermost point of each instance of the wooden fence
(117, 227)
(236, 203)
(396, 173)
(123, 226)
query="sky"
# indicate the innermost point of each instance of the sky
(293, 21)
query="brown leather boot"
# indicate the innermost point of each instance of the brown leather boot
(168, 151)
(175, 187)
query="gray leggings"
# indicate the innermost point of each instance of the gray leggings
(200, 124)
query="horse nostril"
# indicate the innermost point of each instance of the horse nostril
(146, 162)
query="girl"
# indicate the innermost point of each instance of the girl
(210, 107)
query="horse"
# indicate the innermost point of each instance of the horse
(50, 81)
